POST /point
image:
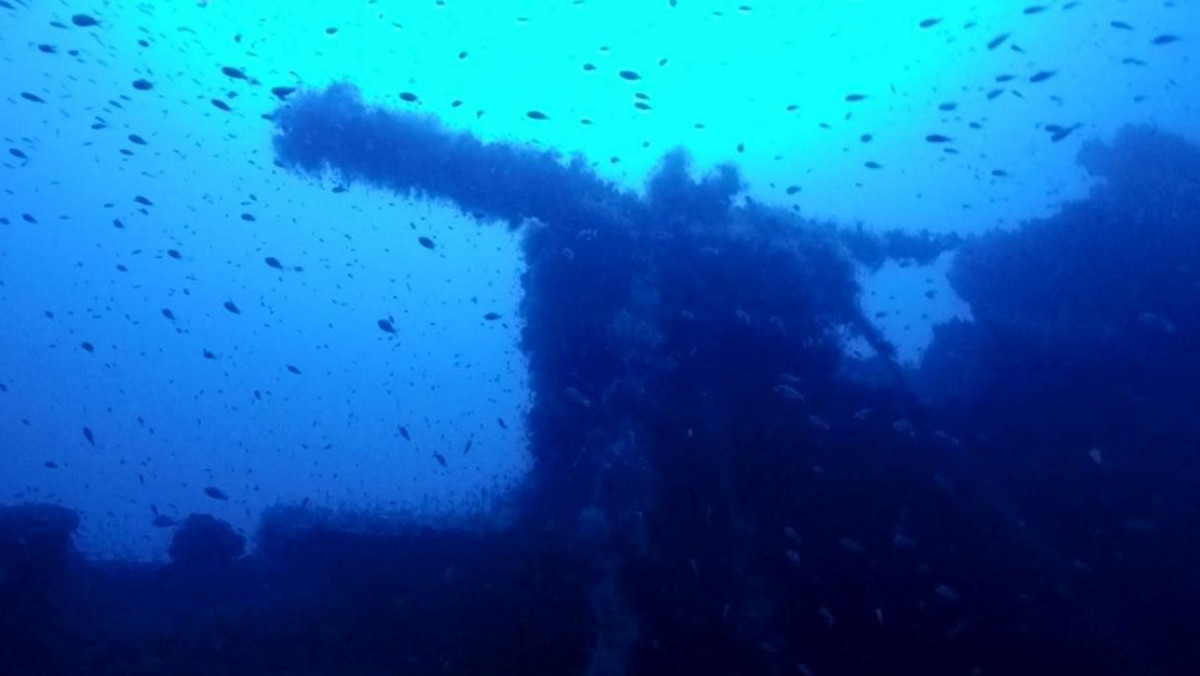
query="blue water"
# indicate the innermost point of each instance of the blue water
(466, 337)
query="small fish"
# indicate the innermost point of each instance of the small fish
(536, 115)
(84, 21)
(293, 369)
(492, 316)
(575, 396)
(218, 103)
(929, 23)
(282, 93)
(937, 138)
(87, 434)
(142, 85)
(440, 458)
(851, 98)
(1035, 9)
(629, 75)
(503, 425)
(404, 433)
(235, 73)
(947, 593)
(215, 493)
(408, 96)
(386, 326)
(1059, 132)
(997, 41)
(1042, 75)
(1165, 39)
(425, 242)
(232, 308)
(1120, 25)
(788, 392)
(467, 448)
(273, 262)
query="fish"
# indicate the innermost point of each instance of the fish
(937, 138)
(997, 41)
(215, 493)
(218, 103)
(273, 262)
(404, 433)
(1059, 132)
(232, 308)
(788, 392)
(425, 242)
(87, 434)
(386, 326)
